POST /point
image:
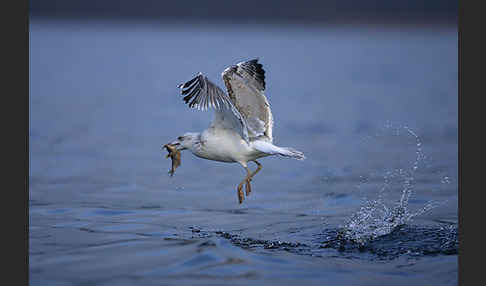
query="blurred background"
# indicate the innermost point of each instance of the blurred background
(364, 88)
(413, 12)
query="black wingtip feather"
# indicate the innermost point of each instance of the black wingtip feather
(191, 90)
(255, 69)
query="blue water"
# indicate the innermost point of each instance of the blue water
(104, 99)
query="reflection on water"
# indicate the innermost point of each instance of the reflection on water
(104, 99)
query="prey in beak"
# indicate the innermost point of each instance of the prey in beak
(175, 154)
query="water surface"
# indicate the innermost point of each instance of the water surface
(357, 101)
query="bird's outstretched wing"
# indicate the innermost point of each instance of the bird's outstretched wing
(245, 83)
(202, 94)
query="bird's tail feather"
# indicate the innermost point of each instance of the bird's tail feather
(269, 148)
(292, 153)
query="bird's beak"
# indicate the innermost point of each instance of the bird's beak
(178, 145)
(180, 148)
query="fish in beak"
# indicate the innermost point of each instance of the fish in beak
(175, 154)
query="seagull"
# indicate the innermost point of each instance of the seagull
(241, 130)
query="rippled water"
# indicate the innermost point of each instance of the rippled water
(374, 203)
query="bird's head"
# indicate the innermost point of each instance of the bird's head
(185, 141)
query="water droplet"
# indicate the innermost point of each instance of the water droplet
(445, 180)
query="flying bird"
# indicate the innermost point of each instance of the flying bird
(241, 130)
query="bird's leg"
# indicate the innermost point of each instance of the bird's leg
(250, 176)
(257, 170)
(246, 181)
(239, 193)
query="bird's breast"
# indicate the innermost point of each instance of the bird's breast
(222, 145)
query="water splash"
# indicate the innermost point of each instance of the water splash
(377, 218)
